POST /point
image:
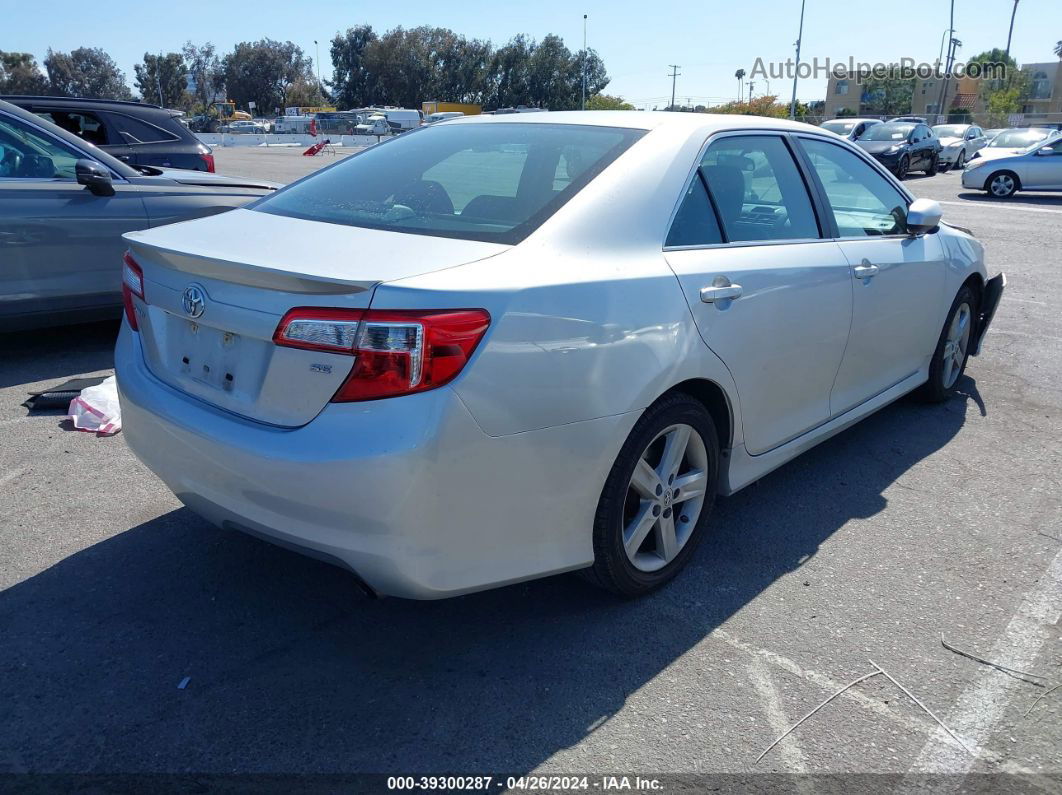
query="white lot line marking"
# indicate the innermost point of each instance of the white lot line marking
(982, 704)
(911, 722)
(792, 756)
(14, 474)
(995, 206)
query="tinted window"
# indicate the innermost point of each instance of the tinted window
(135, 131)
(26, 154)
(758, 190)
(83, 124)
(695, 223)
(493, 181)
(864, 204)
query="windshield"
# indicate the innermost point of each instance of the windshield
(887, 132)
(1018, 139)
(951, 130)
(839, 127)
(492, 182)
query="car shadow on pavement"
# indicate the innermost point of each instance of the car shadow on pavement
(291, 670)
(1018, 199)
(57, 353)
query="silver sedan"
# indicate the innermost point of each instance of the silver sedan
(507, 346)
(1037, 168)
(64, 206)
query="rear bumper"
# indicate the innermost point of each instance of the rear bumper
(409, 493)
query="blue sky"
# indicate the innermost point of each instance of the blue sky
(637, 40)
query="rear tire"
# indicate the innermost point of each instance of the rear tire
(953, 348)
(657, 498)
(934, 164)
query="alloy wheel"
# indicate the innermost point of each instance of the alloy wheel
(901, 168)
(961, 161)
(955, 345)
(1002, 185)
(664, 497)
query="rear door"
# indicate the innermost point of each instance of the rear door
(771, 297)
(60, 245)
(1043, 170)
(898, 280)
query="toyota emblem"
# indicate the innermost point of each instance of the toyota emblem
(194, 300)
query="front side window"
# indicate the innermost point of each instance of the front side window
(84, 124)
(864, 204)
(758, 190)
(494, 182)
(27, 154)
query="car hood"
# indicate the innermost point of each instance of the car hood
(207, 179)
(950, 141)
(877, 147)
(995, 153)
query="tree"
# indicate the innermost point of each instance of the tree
(606, 102)
(740, 75)
(766, 105)
(887, 96)
(86, 72)
(1058, 48)
(205, 71)
(354, 86)
(263, 71)
(19, 74)
(1002, 96)
(163, 79)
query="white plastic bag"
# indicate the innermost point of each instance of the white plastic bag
(96, 409)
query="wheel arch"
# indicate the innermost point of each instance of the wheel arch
(717, 403)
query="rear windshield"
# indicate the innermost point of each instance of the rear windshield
(493, 182)
(839, 126)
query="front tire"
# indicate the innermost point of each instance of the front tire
(657, 498)
(953, 348)
(961, 161)
(1002, 184)
(902, 168)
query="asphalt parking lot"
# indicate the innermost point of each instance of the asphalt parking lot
(918, 522)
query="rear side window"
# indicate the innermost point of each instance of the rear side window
(758, 190)
(495, 182)
(864, 204)
(695, 223)
(134, 131)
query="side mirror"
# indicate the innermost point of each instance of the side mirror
(1046, 151)
(923, 216)
(94, 177)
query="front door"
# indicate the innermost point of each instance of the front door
(770, 296)
(897, 279)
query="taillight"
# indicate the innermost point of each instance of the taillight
(396, 352)
(209, 160)
(132, 284)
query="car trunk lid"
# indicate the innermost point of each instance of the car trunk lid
(215, 290)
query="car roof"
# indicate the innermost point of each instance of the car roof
(645, 120)
(853, 119)
(79, 100)
(80, 144)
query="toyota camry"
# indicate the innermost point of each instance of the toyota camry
(506, 347)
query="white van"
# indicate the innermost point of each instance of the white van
(402, 118)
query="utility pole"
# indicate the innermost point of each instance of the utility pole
(583, 104)
(1010, 33)
(317, 61)
(158, 79)
(947, 66)
(796, 69)
(752, 85)
(674, 74)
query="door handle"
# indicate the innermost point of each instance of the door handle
(720, 292)
(865, 271)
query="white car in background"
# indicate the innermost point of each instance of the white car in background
(443, 115)
(849, 128)
(510, 346)
(960, 141)
(1014, 141)
(1037, 168)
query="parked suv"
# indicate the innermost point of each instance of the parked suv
(902, 147)
(136, 133)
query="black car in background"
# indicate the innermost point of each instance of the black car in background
(134, 132)
(903, 147)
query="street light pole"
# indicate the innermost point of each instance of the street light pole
(1010, 33)
(583, 105)
(158, 79)
(317, 61)
(947, 65)
(796, 69)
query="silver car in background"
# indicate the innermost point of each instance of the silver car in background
(1038, 167)
(849, 128)
(509, 346)
(961, 142)
(64, 205)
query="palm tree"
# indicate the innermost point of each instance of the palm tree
(740, 75)
(1058, 48)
